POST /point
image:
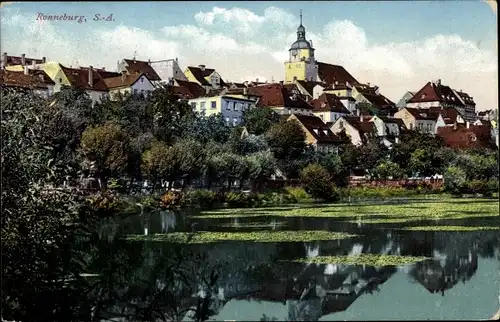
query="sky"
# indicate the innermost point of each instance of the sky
(397, 45)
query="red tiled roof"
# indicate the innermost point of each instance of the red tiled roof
(120, 81)
(328, 103)
(276, 95)
(466, 98)
(103, 73)
(200, 75)
(449, 114)
(334, 73)
(80, 78)
(461, 137)
(35, 79)
(189, 89)
(433, 92)
(137, 66)
(319, 130)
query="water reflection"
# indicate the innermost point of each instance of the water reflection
(156, 281)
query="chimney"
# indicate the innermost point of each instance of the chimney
(207, 90)
(26, 72)
(467, 124)
(4, 59)
(368, 84)
(245, 83)
(33, 63)
(104, 68)
(245, 91)
(91, 78)
(149, 61)
(202, 67)
(124, 75)
(455, 126)
(294, 78)
(176, 59)
(23, 59)
(44, 60)
(256, 80)
(360, 117)
(281, 83)
(439, 81)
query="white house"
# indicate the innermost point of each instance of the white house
(231, 108)
(168, 69)
(387, 126)
(127, 84)
(358, 128)
(328, 107)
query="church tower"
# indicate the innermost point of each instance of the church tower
(301, 64)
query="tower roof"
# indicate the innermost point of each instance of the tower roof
(301, 42)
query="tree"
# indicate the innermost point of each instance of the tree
(250, 144)
(109, 147)
(259, 120)
(158, 162)
(170, 116)
(227, 167)
(387, 169)
(335, 167)
(371, 153)
(454, 180)
(421, 162)
(287, 142)
(317, 182)
(261, 166)
(39, 218)
(212, 128)
(190, 158)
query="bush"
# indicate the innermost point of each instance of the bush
(105, 203)
(200, 198)
(317, 182)
(377, 192)
(277, 197)
(171, 199)
(454, 180)
(237, 199)
(297, 193)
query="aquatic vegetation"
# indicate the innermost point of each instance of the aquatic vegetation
(423, 209)
(204, 237)
(451, 228)
(254, 225)
(363, 259)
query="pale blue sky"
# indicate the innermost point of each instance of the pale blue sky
(398, 45)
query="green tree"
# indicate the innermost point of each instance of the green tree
(158, 163)
(388, 169)
(455, 180)
(109, 147)
(371, 153)
(261, 166)
(212, 128)
(287, 142)
(317, 182)
(259, 120)
(190, 158)
(421, 162)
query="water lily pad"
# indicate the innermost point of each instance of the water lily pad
(451, 228)
(264, 236)
(363, 259)
(254, 225)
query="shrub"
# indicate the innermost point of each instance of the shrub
(200, 198)
(454, 180)
(297, 193)
(237, 199)
(317, 182)
(276, 197)
(104, 203)
(171, 199)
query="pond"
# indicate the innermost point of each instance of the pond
(419, 260)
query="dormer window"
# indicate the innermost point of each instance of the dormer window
(316, 131)
(422, 96)
(325, 131)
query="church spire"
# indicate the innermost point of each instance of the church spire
(301, 17)
(301, 31)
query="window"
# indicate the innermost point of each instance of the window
(429, 128)
(229, 106)
(227, 120)
(135, 91)
(420, 126)
(341, 124)
(202, 105)
(193, 105)
(142, 92)
(142, 79)
(213, 104)
(236, 105)
(60, 80)
(235, 120)
(321, 116)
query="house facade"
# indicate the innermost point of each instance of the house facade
(317, 133)
(134, 66)
(283, 99)
(328, 107)
(417, 120)
(168, 69)
(206, 77)
(129, 84)
(35, 81)
(358, 128)
(231, 108)
(435, 94)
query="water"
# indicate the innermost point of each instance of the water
(255, 281)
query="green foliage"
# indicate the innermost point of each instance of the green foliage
(109, 147)
(287, 142)
(317, 182)
(370, 153)
(158, 162)
(211, 128)
(454, 180)
(261, 165)
(298, 193)
(201, 198)
(388, 169)
(171, 200)
(378, 192)
(259, 120)
(239, 199)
